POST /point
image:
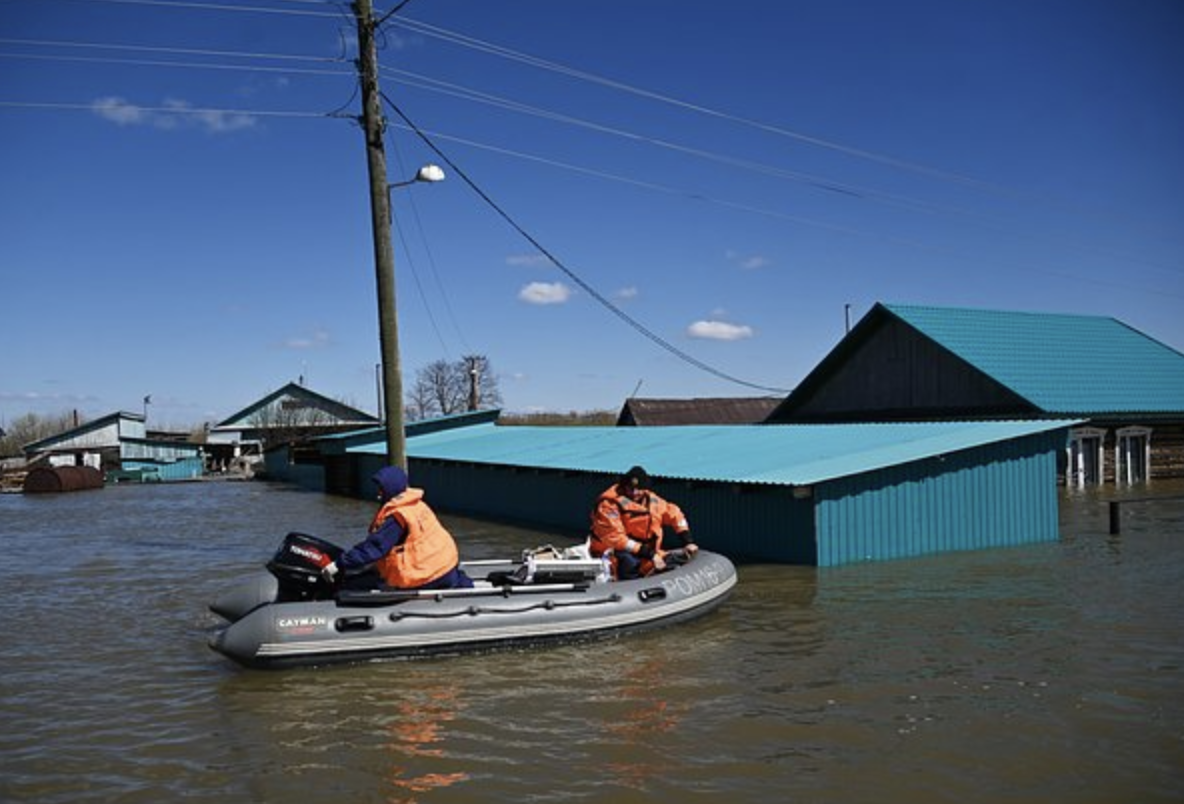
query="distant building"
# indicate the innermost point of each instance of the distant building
(912, 363)
(118, 445)
(289, 415)
(639, 412)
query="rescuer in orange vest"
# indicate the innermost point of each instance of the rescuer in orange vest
(407, 547)
(628, 523)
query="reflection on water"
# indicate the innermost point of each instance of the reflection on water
(418, 732)
(1043, 673)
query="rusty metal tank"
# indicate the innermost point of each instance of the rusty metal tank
(52, 479)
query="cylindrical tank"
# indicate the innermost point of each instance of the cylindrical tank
(49, 479)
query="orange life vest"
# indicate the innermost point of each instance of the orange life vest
(427, 552)
(618, 518)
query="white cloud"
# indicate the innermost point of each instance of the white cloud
(719, 331)
(527, 260)
(215, 120)
(751, 262)
(175, 114)
(545, 293)
(625, 294)
(119, 111)
(317, 340)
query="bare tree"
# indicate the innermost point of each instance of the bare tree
(30, 428)
(419, 402)
(442, 388)
(288, 420)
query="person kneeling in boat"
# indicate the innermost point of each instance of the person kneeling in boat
(407, 546)
(628, 522)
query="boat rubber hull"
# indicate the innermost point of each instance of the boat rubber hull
(267, 634)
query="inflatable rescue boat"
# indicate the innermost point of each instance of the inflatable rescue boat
(289, 616)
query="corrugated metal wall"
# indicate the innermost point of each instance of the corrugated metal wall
(1000, 495)
(184, 469)
(753, 522)
(543, 498)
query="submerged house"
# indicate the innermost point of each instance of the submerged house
(818, 495)
(118, 446)
(925, 430)
(288, 416)
(911, 363)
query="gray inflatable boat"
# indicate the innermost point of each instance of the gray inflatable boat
(287, 616)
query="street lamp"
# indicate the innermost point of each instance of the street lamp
(427, 173)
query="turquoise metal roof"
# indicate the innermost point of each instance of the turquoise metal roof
(1062, 364)
(772, 454)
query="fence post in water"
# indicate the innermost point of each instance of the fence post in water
(1115, 517)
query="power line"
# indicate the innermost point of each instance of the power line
(430, 84)
(190, 110)
(169, 63)
(223, 7)
(487, 47)
(409, 79)
(483, 46)
(185, 51)
(917, 168)
(617, 311)
(419, 81)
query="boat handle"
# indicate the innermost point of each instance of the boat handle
(360, 623)
(651, 594)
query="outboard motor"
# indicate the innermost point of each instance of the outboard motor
(297, 564)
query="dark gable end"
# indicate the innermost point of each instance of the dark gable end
(639, 412)
(886, 370)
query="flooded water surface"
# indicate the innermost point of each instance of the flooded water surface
(1033, 674)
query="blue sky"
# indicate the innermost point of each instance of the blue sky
(185, 212)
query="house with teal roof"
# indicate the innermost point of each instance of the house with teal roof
(920, 363)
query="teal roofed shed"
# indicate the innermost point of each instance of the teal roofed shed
(815, 495)
(923, 363)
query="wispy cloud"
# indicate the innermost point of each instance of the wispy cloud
(626, 294)
(545, 293)
(172, 115)
(317, 340)
(39, 397)
(749, 262)
(527, 260)
(719, 331)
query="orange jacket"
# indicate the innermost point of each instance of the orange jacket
(622, 523)
(425, 554)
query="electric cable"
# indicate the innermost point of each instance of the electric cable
(595, 294)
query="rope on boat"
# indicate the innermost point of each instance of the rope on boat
(395, 616)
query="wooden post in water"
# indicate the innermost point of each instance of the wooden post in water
(1115, 516)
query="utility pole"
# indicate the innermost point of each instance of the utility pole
(374, 126)
(474, 385)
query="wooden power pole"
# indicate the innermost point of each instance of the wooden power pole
(374, 127)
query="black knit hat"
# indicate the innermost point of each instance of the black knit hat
(636, 476)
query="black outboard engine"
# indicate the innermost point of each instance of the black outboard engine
(298, 564)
